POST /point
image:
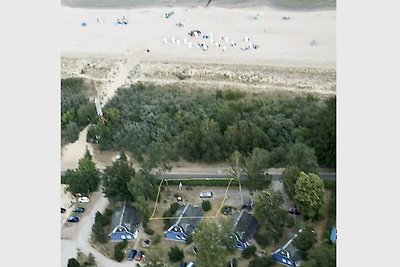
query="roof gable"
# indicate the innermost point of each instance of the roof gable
(245, 225)
(189, 217)
(125, 216)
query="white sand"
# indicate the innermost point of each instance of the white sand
(281, 42)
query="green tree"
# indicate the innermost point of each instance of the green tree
(255, 167)
(305, 240)
(210, 250)
(249, 252)
(72, 262)
(322, 255)
(289, 179)
(309, 195)
(71, 132)
(302, 157)
(116, 178)
(268, 210)
(175, 254)
(87, 114)
(86, 178)
(226, 228)
(266, 261)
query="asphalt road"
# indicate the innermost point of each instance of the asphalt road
(275, 177)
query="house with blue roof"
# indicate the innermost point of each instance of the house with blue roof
(245, 225)
(124, 223)
(288, 254)
(189, 217)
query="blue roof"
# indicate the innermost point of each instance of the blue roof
(333, 234)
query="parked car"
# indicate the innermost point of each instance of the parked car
(83, 199)
(63, 210)
(132, 254)
(227, 210)
(73, 219)
(183, 264)
(294, 211)
(78, 209)
(139, 255)
(190, 264)
(207, 194)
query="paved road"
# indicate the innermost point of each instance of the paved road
(275, 177)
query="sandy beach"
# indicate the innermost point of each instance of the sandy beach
(281, 42)
(297, 54)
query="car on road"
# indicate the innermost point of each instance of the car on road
(295, 211)
(73, 219)
(83, 199)
(139, 255)
(78, 209)
(132, 254)
(206, 194)
(63, 210)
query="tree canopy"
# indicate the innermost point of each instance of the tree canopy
(309, 195)
(116, 178)
(256, 167)
(85, 179)
(302, 157)
(210, 249)
(203, 126)
(268, 211)
(305, 240)
(289, 179)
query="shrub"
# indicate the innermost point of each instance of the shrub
(156, 239)
(289, 221)
(249, 252)
(265, 261)
(175, 254)
(122, 245)
(149, 231)
(72, 262)
(101, 219)
(118, 254)
(189, 240)
(261, 239)
(206, 205)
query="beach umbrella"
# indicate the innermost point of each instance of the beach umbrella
(173, 39)
(246, 39)
(211, 35)
(224, 48)
(165, 40)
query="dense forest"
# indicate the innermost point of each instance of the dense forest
(76, 109)
(209, 126)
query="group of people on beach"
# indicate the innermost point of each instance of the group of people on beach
(207, 41)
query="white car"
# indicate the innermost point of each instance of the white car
(83, 199)
(207, 194)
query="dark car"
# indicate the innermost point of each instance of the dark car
(227, 210)
(139, 255)
(63, 210)
(294, 211)
(73, 219)
(78, 209)
(132, 254)
(183, 264)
